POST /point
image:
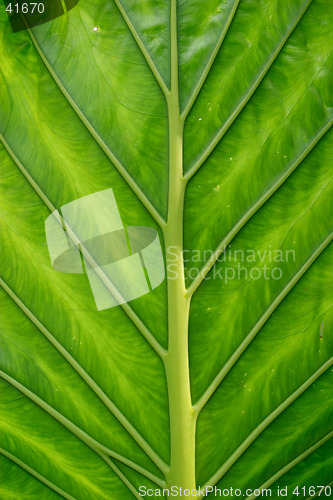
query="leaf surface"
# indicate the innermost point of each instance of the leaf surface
(211, 122)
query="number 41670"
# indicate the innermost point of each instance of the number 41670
(26, 8)
(313, 491)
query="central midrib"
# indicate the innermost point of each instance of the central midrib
(182, 418)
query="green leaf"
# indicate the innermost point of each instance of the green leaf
(211, 122)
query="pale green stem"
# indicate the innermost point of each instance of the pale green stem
(182, 418)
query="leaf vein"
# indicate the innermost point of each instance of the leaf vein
(210, 62)
(254, 208)
(293, 463)
(210, 148)
(143, 49)
(75, 430)
(88, 380)
(265, 423)
(98, 139)
(125, 306)
(36, 474)
(121, 476)
(258, 326)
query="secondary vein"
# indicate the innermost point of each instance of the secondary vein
(293, 463)
(143, 49)
(112, 157)
(74, 429)
(255, 207)
(210, 62)
(86, 377)
(145, 332)
(258, 326)
(222, 131)
(265, 423)
(36, 474)
(121, 476)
